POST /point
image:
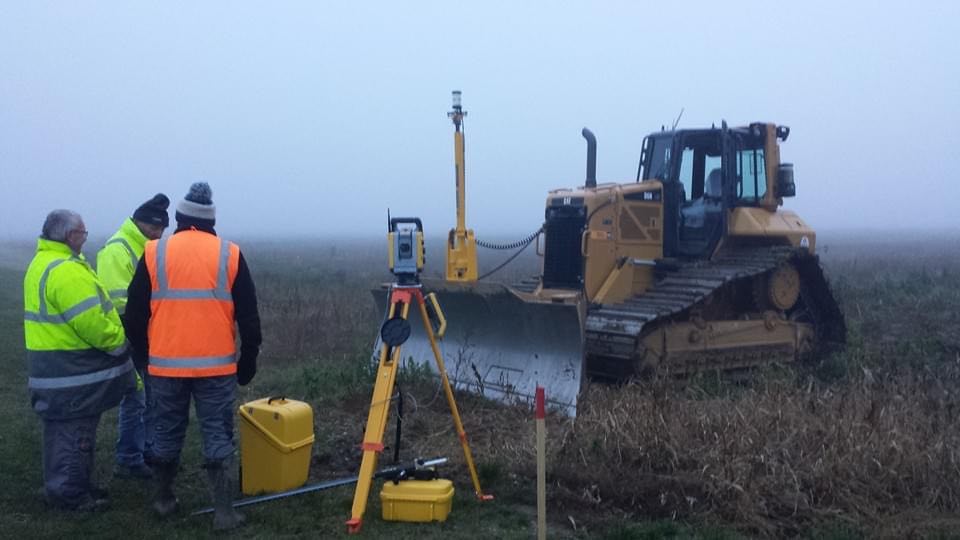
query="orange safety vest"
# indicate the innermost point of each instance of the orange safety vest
(192, 332)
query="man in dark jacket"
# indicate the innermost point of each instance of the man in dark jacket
(190, 294)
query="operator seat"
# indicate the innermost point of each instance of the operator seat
(714, 187)
(694, 215)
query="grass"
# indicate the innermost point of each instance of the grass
(23, 515)
(862, 444)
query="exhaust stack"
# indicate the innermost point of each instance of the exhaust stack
(591, 158)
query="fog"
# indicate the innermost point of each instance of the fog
(311, 119)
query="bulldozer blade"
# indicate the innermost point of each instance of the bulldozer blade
(500, 345)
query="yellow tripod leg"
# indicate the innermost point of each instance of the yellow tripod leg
(468, 455)
(377, 418)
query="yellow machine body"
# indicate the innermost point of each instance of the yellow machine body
(276, 438)
(417, 500)
(692, 267)
(626, 225)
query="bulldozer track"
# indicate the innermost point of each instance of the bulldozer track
(614, 333)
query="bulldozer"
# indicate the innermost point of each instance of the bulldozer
(693, 266)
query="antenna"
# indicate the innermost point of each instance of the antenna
(677, 121)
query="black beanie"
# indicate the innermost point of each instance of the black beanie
(154, 211)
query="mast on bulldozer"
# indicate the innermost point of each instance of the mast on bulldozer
(461, 243)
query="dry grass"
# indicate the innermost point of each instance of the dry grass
(865, 442)
(774, 459)
(866, 439)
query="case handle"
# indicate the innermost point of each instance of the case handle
(271, 400)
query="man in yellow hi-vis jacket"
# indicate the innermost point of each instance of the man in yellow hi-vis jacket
(116, 263)
(77, 354)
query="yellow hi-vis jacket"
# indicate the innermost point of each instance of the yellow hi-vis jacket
(75, 343)
(117, 261)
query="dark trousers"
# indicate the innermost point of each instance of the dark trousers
(133, 430)
(68, 452)
(213, 399)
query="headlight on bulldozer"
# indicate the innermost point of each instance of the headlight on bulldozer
(786, 187)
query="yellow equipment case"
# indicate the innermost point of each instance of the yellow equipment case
(417, 500)
(276, 436)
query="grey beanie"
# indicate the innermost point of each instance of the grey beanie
(198, 203)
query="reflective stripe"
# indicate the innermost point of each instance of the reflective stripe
(63, 363)
(222, 270)
(192, 294)
(43, 284)
(162, 265)
(192, 362)
(125, 244)
(50, 383)
(62, 318)
(36, 317)
(81, 307)
(66, 316)
(164, 292)
(119, 351)
(118, 293)
(105, 304)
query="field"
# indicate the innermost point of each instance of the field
(864, 443)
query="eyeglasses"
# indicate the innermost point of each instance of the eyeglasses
(81, 231)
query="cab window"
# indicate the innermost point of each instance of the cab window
(658, 158)
(686, 172)
(700, 173)
(752, 175)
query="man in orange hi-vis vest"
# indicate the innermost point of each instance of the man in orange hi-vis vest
(189, 296)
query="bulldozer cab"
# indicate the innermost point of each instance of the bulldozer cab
(691, 164)
(706, 172)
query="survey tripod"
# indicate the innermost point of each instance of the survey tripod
(406, 256)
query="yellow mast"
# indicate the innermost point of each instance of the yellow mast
(461, 244)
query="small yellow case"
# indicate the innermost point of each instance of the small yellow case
(276, 436)
(417, 500)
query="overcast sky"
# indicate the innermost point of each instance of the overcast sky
(310, 119)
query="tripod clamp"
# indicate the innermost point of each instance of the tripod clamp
(396, 330)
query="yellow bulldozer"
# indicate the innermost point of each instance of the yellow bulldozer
(691, 267)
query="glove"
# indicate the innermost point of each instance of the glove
(246, 368)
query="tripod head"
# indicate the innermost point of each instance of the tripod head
(405, 249)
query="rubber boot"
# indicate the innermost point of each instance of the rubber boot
(164, 500)
(222, 486)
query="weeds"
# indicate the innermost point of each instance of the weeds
(863, 443)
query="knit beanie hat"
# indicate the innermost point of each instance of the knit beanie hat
(154, 211)
(198, 205)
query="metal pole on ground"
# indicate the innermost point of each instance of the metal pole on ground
(541, 466)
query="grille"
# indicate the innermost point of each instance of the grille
(562, 261)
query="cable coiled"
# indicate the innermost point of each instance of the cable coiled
(511, 245)
(522, 245)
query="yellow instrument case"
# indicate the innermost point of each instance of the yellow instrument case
(276, 438)
(417, 500)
